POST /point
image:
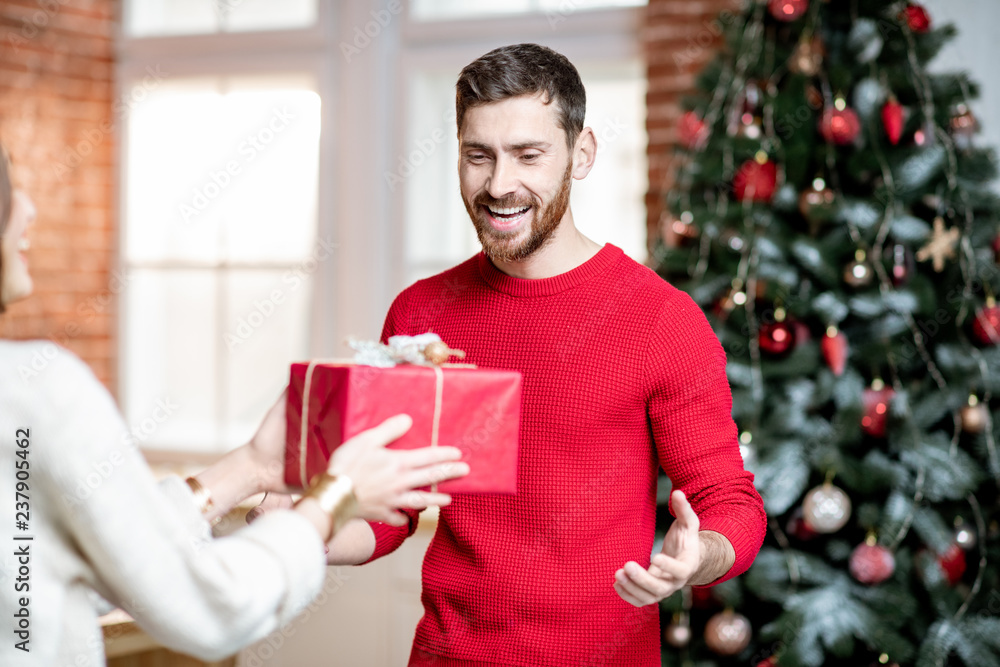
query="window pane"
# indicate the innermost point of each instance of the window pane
(240, 15)
(170, 348)
(608, 205)
(221, 189)
(223, 170)
(432, 10)
(263, 331)
(439, 232)
(145, 18)
(148, 18)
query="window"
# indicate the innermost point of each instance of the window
(148, 18)
(221, 239)
(426, 10)
(220, 211)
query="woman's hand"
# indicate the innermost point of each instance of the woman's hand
(385, 479)
(257, 466)
(267, 449)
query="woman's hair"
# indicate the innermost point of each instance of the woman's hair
(6, 202)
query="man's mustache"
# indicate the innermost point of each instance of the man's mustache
(505, 202)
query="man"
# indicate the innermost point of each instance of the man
(622, 373)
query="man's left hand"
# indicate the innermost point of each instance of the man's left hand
(672, 568)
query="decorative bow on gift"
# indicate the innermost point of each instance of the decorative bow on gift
(424, 350)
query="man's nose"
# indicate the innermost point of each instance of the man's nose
(503, 180)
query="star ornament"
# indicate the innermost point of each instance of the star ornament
(941, 246)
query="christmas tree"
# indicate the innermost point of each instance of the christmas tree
(834, 218)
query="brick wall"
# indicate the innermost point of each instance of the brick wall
(56, 121)
(680, 38)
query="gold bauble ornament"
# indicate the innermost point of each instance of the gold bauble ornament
(727, 633)
(438, 353)
(807, 59)
(859, 273)
(678, 633)
(973, 416)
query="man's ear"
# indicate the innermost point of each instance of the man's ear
(584, 153)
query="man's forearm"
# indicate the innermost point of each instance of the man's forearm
(352, 545)
(717, 557)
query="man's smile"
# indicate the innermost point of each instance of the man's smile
(506, 219)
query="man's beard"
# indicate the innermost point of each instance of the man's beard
(503, 246)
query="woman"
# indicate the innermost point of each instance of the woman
(83, 519)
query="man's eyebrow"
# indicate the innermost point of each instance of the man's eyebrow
(528, 144)
(476, 145)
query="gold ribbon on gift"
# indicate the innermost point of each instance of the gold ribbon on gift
(307, 392)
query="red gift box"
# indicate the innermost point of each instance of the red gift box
(476, 410)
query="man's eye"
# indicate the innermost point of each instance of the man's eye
(530, 157)
(477, 157)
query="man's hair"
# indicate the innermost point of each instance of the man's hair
(524, 69)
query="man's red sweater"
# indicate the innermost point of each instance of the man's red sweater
(622, 374)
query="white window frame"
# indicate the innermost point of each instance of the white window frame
(297, 52)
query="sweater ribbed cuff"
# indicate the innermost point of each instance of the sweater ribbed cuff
(743, 542)
(389, 538)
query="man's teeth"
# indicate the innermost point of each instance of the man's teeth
(508, 211)
(24, 245)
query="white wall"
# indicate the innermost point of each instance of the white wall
(976, 51)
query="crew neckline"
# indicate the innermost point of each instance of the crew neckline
(528, 287)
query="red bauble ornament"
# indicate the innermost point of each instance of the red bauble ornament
(777, 339)
(692, 131)
(986, 326)
(892, 119)
(876, 405)
(872, 563)
(756, 181)
(840, 126)
(834, 348)
(917, 18)
(787, 10)
(952, 563)
(703, 598)
(902, 264)
(770, 662)
(798, 527)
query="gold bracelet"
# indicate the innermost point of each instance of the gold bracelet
(335, 495)
(202, 496)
